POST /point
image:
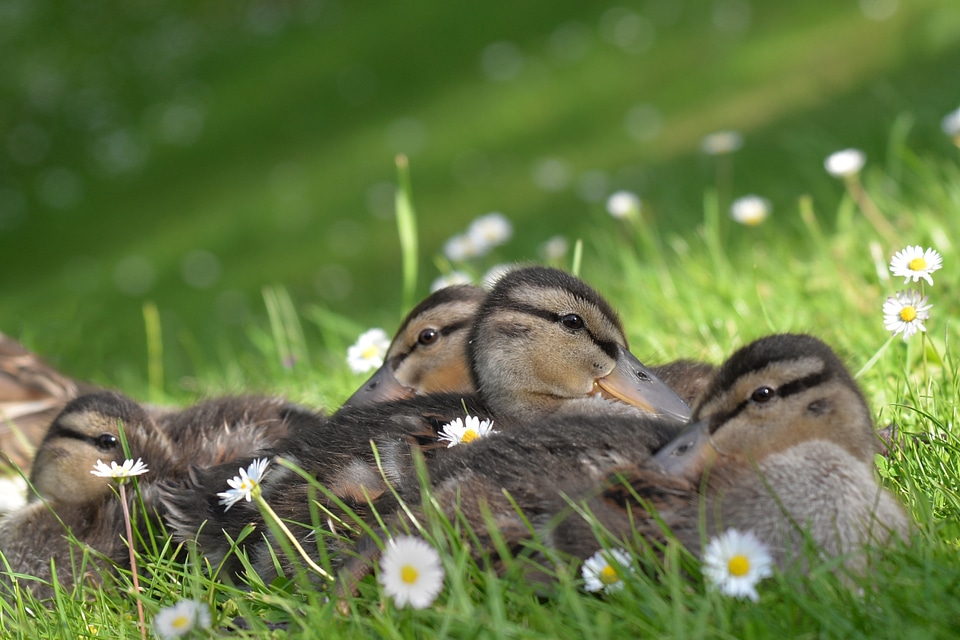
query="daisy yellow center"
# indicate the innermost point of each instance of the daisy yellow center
(908, 314)
(409, 574)
(469, 436)
(738, 565)
(370, 352)
(180, 622)
(609, 575)
(917, 264)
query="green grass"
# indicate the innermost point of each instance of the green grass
(689, 282)
(699, 294)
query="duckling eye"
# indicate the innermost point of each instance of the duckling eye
(428, 336)
(106, 441)
(572, 321)
(763, 394)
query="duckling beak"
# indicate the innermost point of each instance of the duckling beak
(688, 454)
(633, 383)
(382, 386)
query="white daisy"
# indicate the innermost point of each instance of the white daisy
(604, 570)
(905, 312)
(951, 124)
(410, 572)
(246, 486)
(465, 431)
(623, 204)
(735, 562)
(721, 143)
(846, 163)
(916, 263)
(449, 280)
(367, 353)
(555, 248)
(750, 210)
(120, 473)
(490, 230)
(463, 247)
(182, 618)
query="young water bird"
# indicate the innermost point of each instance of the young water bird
(67, 498)
(544, 345)
(72, 501)
(782, 444)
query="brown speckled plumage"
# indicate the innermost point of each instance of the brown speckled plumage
(543, 346)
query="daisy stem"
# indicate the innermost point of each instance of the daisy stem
(296, 543)
(133, 560)
(923, 347)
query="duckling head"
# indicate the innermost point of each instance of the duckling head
(429, 352)
(772, 394)
(87, 430)
(543, 338)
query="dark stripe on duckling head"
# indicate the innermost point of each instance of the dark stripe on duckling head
(446, 330)
(108, 404)
(765, 351)
(500, 297)
(609, 347)
(456, 293)
(783, 391)
(440, 297)
(547, 278)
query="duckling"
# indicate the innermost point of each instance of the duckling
(87, 430)
(543, 345)
(545, 342)
(32, 393)
(68, 496)
(428, 354)
(71, 500)
(782, 444)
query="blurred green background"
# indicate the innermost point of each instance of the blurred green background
(191, 153)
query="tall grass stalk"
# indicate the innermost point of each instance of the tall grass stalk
(407, 230)
(151, 321)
